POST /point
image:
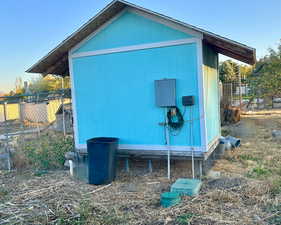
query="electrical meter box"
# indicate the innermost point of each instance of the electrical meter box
(187, 100)
(165, 92)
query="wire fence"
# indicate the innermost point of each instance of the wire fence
(26, 119)
(239, 95)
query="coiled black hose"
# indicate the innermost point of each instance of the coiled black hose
(175, 118)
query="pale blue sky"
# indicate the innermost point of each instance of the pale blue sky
(31, 28)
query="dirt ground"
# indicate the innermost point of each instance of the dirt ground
(247, 192)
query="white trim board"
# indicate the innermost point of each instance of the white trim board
(152, 147)
(73, 96)
(211, 143)
(212, 146)
(219, 91)
(201, 89)
(136, 47)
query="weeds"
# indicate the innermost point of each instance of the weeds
(227, 156)
(248, 157)
(223, 196)
(110, 217)
(3, 193)
(275, 210)
(279, 171)
(40, 173)
(95, 214)
(70, 221)
(258, 172)
(276, 187)
(48, 151)
(225, 132)
(184, 219)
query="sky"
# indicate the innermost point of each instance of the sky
(31, 28)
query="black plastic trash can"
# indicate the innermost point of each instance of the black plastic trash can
(102, 159)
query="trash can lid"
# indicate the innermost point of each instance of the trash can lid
(103, 140)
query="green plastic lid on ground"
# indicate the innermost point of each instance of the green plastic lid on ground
(169, 199)
(183, 186)
(170, 195)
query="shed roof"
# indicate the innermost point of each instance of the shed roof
(56, 61)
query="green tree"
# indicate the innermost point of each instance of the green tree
(245, 72)
(265, 80)
(229, 71)
(48, 83)
(39, 84)
(19, 89)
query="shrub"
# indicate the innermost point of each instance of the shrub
(248, 157)
(275, 211)
(3, 193)
(47, 152)
(276, 186)
(184, 219)
(258, 172)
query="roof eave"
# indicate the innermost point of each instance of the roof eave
(231, 49)
(114, 5)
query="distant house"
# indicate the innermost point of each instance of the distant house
(12, 112)
(42, 112)
(114, 61)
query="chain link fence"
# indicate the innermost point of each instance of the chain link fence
(31, 124)
(234, 94)
(239, 95)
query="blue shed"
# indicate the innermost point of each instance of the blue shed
(114, 60)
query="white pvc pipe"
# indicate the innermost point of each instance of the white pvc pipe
(192, 150)
(167, 134)
(70, 167)
(193, 170)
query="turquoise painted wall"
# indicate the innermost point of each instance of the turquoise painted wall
(210, 69)
(131, 29)
(115, 94)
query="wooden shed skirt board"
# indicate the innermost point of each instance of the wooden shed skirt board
(162, 154)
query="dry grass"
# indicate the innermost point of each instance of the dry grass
(247, 193)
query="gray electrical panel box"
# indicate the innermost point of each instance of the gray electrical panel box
(165, 92)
